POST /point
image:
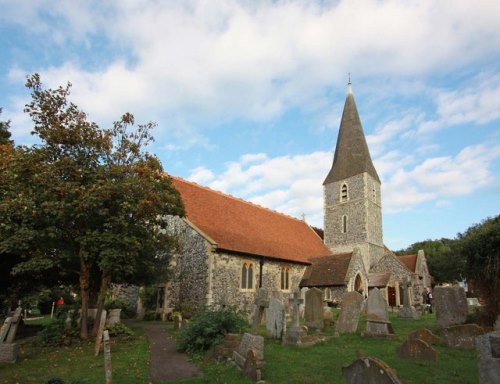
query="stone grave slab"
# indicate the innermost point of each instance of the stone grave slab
(294, 334)
(313, 311)
(274, 318)
(488, 358)
(251, 347)
(425, 335)
(261, 303)
(5, 329)
(451, 306)
(16, 319)
(462, 336)
(8, 352)
(369, 370)
(416, 349)
(377, 316)
(114, 316)
(252, 367)
(352, 303)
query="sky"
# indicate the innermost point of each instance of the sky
(248, 95)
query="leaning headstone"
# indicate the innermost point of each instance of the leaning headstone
(462, 336)
(255, 345)
(425, 335)
(408, 311)
(369, 370)
(313, 312)
(16, 319)
(107, 359)
(416, 349)
(488, 358)
(100, 331)
(274, 318)
(451, 306)
(5, 329)
(377, 316)
(294, 334)
(253, 367)
(261, 303)
(114, 317)
(349, 312)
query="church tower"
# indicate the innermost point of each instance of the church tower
(352, 200)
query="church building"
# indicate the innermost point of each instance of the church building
(229, 247)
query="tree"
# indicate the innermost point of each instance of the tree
(85, 195)
(444, 261)
(480, 246)
(4, 132)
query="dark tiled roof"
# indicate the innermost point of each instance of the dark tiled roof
(352, 156)
(378, 279)
(327, 271)
(239, 226)
(409, 260)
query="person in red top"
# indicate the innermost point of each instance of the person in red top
(60, 301)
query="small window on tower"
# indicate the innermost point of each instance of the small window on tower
(374, 192)
(343, 193)
(344, 224)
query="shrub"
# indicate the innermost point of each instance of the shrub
(208, 328)
(118, 329)
(57, 332)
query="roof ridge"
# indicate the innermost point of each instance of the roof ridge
(237, 199)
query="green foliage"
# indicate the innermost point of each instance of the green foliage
(480, 246)
(208, 328)
(120, 329)
(149, 297)
(4, 132)
(445, 263)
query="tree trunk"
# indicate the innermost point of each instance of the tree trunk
(105, 281)
(84, 293)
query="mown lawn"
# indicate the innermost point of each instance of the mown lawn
(318, 364)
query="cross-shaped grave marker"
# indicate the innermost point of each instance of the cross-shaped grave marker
(261, 302)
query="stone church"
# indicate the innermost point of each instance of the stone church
(230, 247)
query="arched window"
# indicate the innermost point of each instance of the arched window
(344, 193)
(358, 284)
(247, 276)
(344, 224)
(285, 278)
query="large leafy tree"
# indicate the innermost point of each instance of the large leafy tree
(480, 246)
(4, 132)
(86, 196)
(445, 263)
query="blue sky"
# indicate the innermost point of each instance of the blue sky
(248, 95)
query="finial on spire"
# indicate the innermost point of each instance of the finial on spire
(349, 87)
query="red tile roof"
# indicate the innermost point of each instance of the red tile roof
(327, 271)
(410, 261)
(239, 226)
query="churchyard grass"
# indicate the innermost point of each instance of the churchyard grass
(76, 364)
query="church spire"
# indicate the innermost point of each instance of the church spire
(352, 156)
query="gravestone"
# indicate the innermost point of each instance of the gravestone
(294, 334)
(113, 317)
(352, 303)
(377, 316)
(425, 335)
(313, 312)
(274, 318)
(5, 329)
(100, 331)
(462, 336)
(488, 358)
(408, 311)
(16, 319)
(107, 358)
(255, 345)
(261, 303)
(226, 349)
(8, 349)
(416, 349)
(327, 316)
(369, 370)
(177, 321)
(451, 306)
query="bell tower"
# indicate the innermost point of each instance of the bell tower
(351, 192)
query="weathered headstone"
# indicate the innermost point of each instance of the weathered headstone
(349, 312)
(313, 313)
(5, 329)
(226, 349)
(114, 317)
(294, 334)
(425, 335)
(100, 331)
(108, 373)
(377, 316)
(416, 349)
(408, 311)
(252, 367)
(451, 306)
(16, 319)
(261, 303)
(488, 358)
(255, 345)
(369, 370)
(274, 318)
(462, 336)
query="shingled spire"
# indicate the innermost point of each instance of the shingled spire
(352, 156)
